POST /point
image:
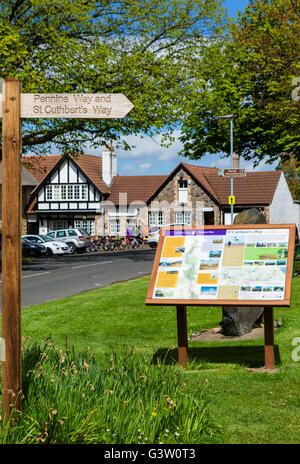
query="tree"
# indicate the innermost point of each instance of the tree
(291, 169)
(145, 50)
(250, 72)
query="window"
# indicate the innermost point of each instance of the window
(114, 227)
(86, 224)
(76, 192)
(84, 192)
(70, 192)
(183, 217)
(131, 224)
(63, 192)
(156, 219)
(48, 192)
(56, 195)
(61, 233)
(58, 224)
(71, 233)
(182, 191)
(67, 192)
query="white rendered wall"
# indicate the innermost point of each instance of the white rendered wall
(283, 210)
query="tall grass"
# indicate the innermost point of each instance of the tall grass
(124, 398)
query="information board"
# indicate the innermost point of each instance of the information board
(224, 265)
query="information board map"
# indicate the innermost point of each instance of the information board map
(223, 264)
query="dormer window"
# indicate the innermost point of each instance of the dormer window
(182, 191)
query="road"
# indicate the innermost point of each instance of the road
(53, 278)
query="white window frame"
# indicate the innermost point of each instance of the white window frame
(84, 192)
(49, 192)
(114, 226)
(56, 192)
(86, 224)
(183, 217)
(183, 191)
(63, 190)
(76, 192)
(155, 218)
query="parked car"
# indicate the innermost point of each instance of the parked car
(155, 231)
(32, 249)
(78, 240)
(53, 247)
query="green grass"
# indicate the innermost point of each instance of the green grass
(249, 407)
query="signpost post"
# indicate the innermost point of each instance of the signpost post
(16, 106)
(236, 265)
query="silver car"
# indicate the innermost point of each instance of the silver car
(78, 240)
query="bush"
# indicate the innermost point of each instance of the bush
(126, 399)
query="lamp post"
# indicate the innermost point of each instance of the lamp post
(230, 116)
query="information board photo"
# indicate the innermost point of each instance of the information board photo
(239, 264)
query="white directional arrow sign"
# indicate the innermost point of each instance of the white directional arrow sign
(62, 105)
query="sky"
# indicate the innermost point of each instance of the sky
(149, 158)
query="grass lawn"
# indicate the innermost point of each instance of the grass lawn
(249, 407)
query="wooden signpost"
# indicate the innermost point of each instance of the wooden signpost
(236, 265)
(233, 172)
(16, 106)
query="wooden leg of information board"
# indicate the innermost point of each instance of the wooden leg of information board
(182, 335)
(269, 338)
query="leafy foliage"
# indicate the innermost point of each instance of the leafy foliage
(145, 50)
(249, 72)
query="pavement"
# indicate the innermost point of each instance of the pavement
(52, 278)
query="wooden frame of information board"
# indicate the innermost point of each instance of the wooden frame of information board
(224, 302)
(267, 305)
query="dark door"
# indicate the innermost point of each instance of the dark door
(209, 218)
(33, 228)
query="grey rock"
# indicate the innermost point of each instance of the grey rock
(250, 216)
(240, 320)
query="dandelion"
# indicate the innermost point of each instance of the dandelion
(153, 413)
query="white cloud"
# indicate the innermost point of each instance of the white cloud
(145, 166)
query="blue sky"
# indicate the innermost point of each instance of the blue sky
(150, 158)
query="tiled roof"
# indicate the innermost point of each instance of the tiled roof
(200, 173)
(254, 188)
(91, 165)
(137, 188)
(27, 177)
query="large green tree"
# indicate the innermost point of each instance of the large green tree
(250, 72)
(146, 50)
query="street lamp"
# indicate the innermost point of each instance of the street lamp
(230, 116)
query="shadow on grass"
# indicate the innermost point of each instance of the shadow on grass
(249, 356)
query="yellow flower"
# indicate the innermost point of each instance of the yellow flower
(153, 413)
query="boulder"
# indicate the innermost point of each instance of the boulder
(240, 320)
(250, 216)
